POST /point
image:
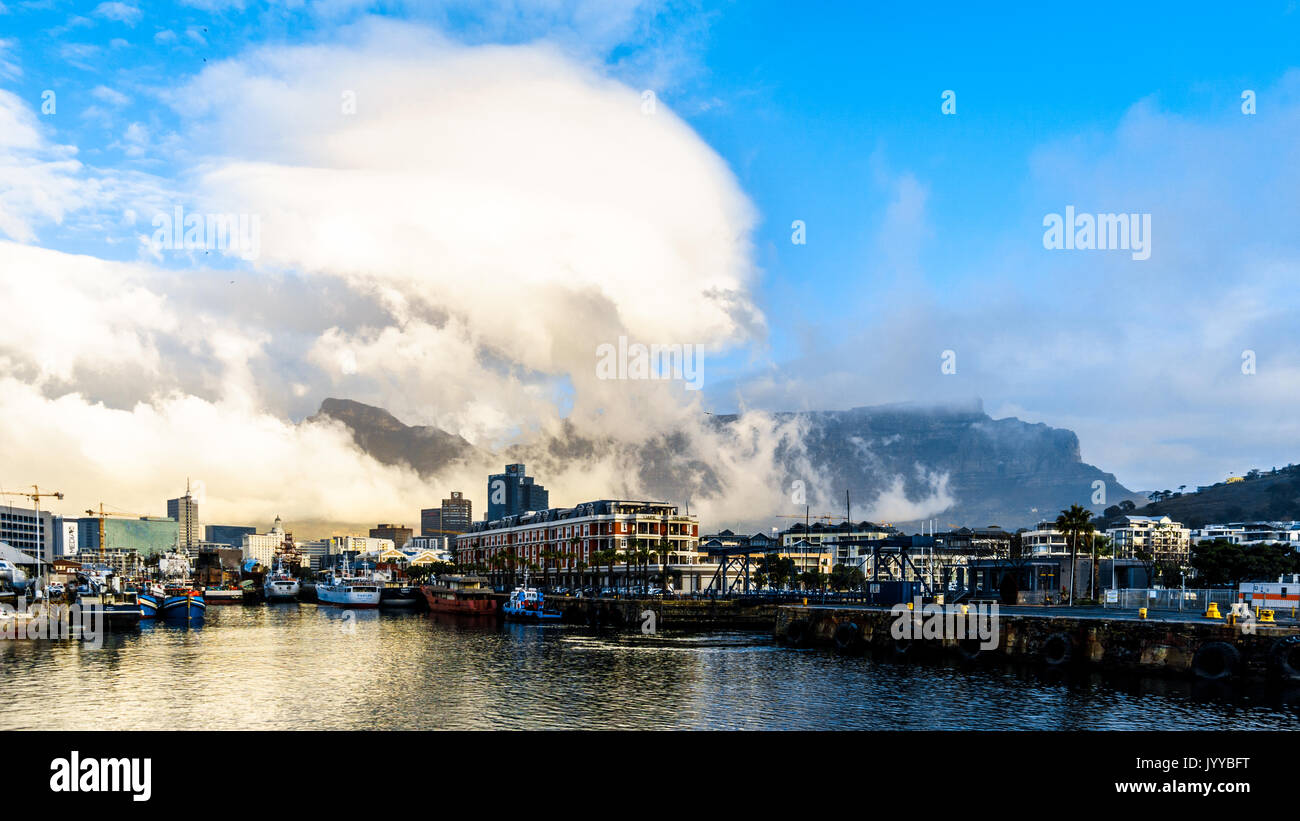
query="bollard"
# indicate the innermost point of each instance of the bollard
(805, 601)
(1266, 616)
(965, 609)
(909, 605)
(1142, 612)
(1212, 611)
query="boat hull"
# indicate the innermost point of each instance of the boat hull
(476, 606)
(347, 596)
(149, 605)
(184, 607)
(280, 590)
(400, 597)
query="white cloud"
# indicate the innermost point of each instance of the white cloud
(121, 12)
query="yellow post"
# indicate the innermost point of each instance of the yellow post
(1212, 611)
(1266, 616)
(1142, 612)
(909, 605)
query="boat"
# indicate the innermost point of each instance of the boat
(399, 596)
(343, 589)
(223, 595)
(280, 585)
(467, 595)
(527, 604)
(150, 597)
(183, 603)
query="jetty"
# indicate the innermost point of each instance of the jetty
(1165, 644)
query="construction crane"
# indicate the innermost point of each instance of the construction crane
(36, 495)
(102, 514)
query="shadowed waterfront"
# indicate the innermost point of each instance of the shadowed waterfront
(307, 667)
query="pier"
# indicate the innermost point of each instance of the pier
(1171, 644)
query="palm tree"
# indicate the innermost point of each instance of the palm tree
(1074, 524)
(664, 552)
(573, 545)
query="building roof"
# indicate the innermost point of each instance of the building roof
(16, 556)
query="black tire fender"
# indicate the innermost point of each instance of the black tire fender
(1058, 649)
(1284, 657)
(1215, 660)
(848, 637)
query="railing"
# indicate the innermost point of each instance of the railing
(1167, 599)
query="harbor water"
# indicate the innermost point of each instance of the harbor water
(302, 666)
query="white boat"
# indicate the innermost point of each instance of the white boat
(280, 586)
(344, 589)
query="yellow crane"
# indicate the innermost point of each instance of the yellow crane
(36, 495)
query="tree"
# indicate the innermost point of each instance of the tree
(845, 578)
(1075, 524)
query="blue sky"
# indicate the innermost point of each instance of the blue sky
(923, 230)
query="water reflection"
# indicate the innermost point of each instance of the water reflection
(309, 667)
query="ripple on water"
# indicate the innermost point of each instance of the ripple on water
(309, 667)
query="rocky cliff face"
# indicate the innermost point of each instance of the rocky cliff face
(955, 465)
(388, 440)
(996, 471)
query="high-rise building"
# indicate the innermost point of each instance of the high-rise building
(457, 513)
(185, 510)
(28, 530)
(513, 492)
(146, 536)
(431, 521)
(398, 534)
(452, 518)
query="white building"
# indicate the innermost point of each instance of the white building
(1163, 538)
(263, 546)
(1046, 540)
(313, 553)
(1250, 533)
(358, 544)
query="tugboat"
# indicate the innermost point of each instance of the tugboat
(527, 604)
(345, 590)
(280, 585)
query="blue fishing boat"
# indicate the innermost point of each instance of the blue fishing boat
(183, 604)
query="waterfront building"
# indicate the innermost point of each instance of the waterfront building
(262, 547)
(185, 510)
(28, 530)
(841, 533)
(399, 535)
(124, 562)
(1165, 540)
(312, 553)
(514, 493)
(339, 545)
(1045, 540)
(575, 544)
(147, 535)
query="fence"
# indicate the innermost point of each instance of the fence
(1176, 599)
